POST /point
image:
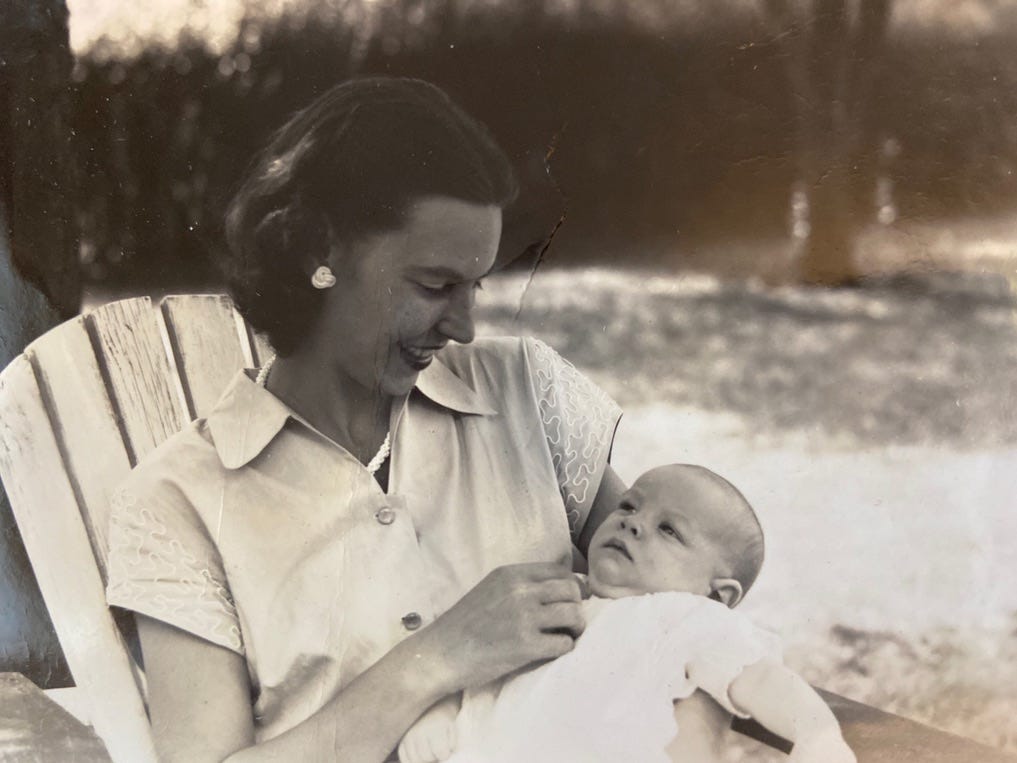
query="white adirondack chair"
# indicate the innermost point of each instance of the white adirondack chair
(78, 409)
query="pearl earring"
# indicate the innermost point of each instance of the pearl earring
(323, 278)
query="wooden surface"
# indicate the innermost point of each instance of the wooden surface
(878, 737)
(55, 535)
(209, 343)
(84, 403)
(35, 729)
(135, 356)
(78, 403)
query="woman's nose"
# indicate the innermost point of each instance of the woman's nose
(457, 322)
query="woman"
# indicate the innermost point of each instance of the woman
(381, 516)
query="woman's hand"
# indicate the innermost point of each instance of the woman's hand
(517, 615)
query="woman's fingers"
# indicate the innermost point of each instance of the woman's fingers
(566, 589)
(538, 571)
(557, 644)
(516, 615)
(562, 617)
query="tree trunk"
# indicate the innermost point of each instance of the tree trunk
(37, 170)
(37, 242)
(832, 57)
(827, 257)
(28, 643)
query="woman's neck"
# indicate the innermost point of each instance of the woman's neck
(355, 417)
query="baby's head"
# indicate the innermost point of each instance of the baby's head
(678, 528)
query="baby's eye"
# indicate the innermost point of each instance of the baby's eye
(478, 285)
(671, 532)
(626, 508)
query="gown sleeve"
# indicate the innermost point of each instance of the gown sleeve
(720, 643)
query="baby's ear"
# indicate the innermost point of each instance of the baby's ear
(726, 590)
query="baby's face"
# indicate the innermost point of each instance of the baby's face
(665, 535)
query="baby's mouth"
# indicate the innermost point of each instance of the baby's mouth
(618, 546)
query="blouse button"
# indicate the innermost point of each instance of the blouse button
(412, 621)
(385, 515)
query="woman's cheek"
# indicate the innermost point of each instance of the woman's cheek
(419, 316)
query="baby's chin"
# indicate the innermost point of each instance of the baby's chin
(609, 590)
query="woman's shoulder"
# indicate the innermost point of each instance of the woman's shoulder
(494, 355)
(184, 462)
(488, 349)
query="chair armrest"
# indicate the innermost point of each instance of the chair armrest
(880, 737)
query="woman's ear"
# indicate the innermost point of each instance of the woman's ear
(728, 591)
(324, 248)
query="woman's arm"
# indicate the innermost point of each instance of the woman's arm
(608, 495)
(785, 704)
(200, 705)
(199, 693)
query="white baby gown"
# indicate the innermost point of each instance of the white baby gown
(611, 698)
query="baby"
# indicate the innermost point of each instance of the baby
(665, 569)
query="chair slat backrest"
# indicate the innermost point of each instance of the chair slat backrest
(133, 348)
(58, 544)
(83, 404)
(210, 342)
(75, 395)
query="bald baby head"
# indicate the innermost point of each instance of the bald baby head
(678, 528)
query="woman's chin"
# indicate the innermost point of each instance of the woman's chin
(400, 383)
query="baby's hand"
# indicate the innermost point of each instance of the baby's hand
(827, 747)
(433, 737)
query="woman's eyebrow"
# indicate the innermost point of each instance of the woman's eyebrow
(442, 272)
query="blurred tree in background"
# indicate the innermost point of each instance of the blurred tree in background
(677, 124)
(833, 52)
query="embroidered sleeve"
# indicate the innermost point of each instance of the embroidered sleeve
(163, 564)
(579, 421)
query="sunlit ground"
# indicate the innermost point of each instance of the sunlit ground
(873, 429)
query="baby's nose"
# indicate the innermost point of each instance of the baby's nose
(632, 526)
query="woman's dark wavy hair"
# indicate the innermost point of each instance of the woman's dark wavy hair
(347, 166)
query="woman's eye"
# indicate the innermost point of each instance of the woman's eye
(434, 289)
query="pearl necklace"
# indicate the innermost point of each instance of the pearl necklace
(386, 446)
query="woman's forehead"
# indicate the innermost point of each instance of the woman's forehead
(449, 237)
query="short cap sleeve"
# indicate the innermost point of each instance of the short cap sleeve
(163, 564)
(579, 421)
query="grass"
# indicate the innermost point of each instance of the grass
(907, 360)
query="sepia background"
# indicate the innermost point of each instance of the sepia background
(781, 233)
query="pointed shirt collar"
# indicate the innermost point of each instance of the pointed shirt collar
(248, 417)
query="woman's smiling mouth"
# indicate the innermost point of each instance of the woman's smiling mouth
(417, 358)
